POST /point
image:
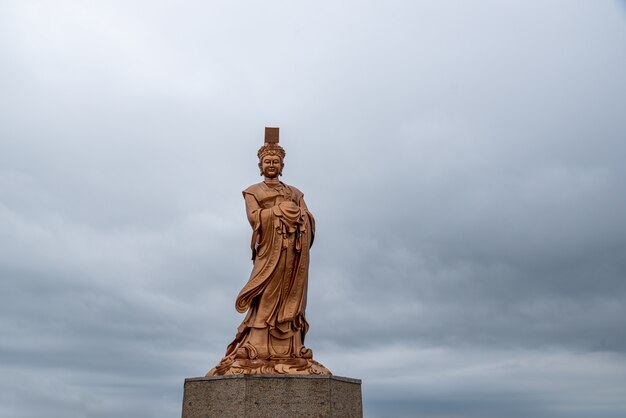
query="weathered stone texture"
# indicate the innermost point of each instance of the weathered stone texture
(272, 396)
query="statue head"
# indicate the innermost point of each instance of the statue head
(271, 160)
(271, 155)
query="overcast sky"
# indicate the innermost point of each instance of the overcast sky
(465, 162)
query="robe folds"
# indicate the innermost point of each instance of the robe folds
(275, 295)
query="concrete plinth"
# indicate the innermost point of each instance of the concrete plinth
(272, 396)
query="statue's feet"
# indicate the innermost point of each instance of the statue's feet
(297, 365)
(245, 352)
(306, 353)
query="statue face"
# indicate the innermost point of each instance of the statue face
(271, 166)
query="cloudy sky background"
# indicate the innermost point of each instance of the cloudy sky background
(464, 161)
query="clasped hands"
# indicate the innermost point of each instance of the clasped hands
(286, 207)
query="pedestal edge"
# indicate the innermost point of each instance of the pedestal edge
(275, 376)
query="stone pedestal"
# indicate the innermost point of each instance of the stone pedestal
(272, 396)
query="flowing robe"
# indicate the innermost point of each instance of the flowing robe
(275, 295)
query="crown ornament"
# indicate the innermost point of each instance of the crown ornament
(271, 147)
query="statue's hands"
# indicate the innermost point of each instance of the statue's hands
(288, 205)
(286, 208)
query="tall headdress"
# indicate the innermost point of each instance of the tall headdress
(271, 147)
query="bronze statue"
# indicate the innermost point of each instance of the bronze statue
(270, 340)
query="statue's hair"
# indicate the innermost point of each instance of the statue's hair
(271, 149)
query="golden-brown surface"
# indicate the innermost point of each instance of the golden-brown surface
(271, 337)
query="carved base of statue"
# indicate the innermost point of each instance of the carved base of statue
(231, 366)
(258, 351)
